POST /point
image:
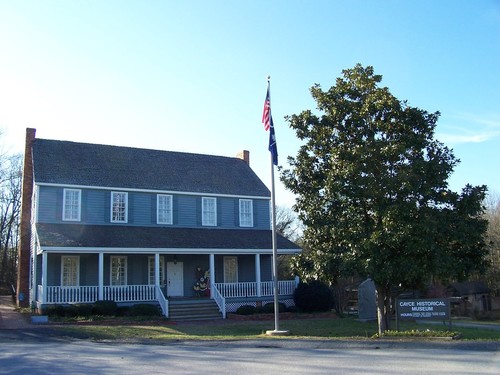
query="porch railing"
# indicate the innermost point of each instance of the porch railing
(162, 301)
(129, 293)
(90, 294)
(250, 289)
(220, 300)
(69, 294)
(132, 293)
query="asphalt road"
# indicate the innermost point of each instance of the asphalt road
(39, 352)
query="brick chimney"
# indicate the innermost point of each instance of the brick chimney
(24, 250)
(244, 155)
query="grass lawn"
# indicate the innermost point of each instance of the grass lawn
(344, 328)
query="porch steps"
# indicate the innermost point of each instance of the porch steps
(193, 309)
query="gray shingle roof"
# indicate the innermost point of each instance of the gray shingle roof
(114, 236)
(71, 163)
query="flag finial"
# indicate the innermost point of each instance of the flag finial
(268, 78)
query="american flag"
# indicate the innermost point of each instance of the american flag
(266, 113)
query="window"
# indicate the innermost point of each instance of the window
(71, 204)
(70, 271)
(152, 270)
(118, 270)
(119, 203)
(246, 213)
(164, 209)
(230, 269)
(209, 211)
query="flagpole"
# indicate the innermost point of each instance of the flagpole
(273, 231)
(275, 252)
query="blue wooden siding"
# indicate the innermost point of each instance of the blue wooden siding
(96, 209)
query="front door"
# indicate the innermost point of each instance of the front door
(175, 279)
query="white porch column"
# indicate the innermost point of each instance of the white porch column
(44, 277)
(157, 270)
(257, 274)
(100, 296)
(212, 274)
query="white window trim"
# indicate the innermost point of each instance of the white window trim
(206, 219)
(169, 213)
(113, 193)
(226, 260)
(151, 272)
(79, 207)
(73, 257)
(243, 222)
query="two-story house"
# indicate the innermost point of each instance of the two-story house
(132, 225)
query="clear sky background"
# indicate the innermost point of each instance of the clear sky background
(191, 75)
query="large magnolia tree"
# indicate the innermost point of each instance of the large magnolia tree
(372, 191)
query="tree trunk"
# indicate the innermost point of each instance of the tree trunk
(383, 309)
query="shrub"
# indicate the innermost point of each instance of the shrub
(143, 309)
(54, 310)
(246, 310)
(122, 310)
(268, 308)
(314, 296)
(84, 309)
(105, 308)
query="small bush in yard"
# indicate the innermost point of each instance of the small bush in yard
(83, 309)
(105, 308)
(54, 310)
(313, 296)
(268, 308)
(246, 310)
(143, 309)
(122, 310)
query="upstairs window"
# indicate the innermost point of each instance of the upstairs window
(118, 270)
(119, 207)
(209, 211)
(71, 204)
(164, 209)
(246, 213)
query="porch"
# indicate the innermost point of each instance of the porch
(228, 296)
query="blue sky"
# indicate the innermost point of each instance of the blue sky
(191, 76)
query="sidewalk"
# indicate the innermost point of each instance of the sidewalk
(10, 318)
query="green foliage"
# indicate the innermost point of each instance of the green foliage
(107, 308)
(418, 333)
(372, 191)
(143, 309)
(313, 296)
(54, 310)
(246, 310)
(268, 308)
(69, 311)
(80, 310)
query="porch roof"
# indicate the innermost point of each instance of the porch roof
(79, 236)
